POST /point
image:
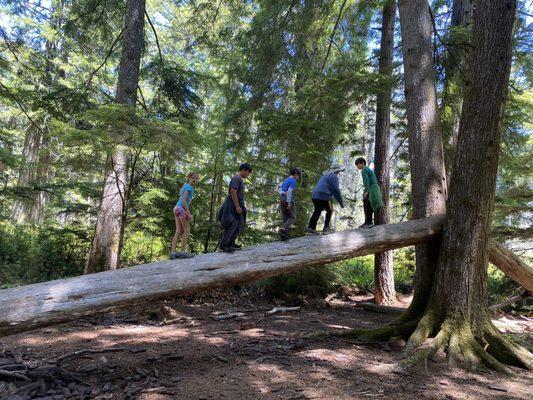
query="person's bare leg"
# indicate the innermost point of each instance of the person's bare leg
(186, 230)
(176, 234)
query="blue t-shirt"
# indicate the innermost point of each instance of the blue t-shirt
(287, 189)
(186, 188)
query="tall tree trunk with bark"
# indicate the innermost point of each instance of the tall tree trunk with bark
(109, 229)
(457, 312)
(428, 176)
(383, 268)
(454, 63)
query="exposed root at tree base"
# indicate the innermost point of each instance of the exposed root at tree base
(462, 348)
(382, 334)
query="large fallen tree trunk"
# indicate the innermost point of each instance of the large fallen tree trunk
(511, 265)
(28, 307)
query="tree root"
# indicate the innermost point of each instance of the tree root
(381, 334)
(455, 338)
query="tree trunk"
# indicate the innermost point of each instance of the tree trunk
(458, 310)
(428, 177)
(109, 229)
(383, 268)
(28, 171)
(462, 13)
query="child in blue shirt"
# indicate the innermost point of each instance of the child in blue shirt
(182, 216)
(288, 213)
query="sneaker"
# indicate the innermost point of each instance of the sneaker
(327, 231)
(226, 250)
(185, 255)
(311, 232)
(366, 226)
(283, 235)
(236, 246)
(173, 256)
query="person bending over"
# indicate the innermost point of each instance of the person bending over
(326, 189)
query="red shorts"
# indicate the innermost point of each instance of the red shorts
(181, 213)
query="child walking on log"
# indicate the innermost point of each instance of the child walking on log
(286, 202)
(232, 214)
(326, 189)
(182, 216)
(372, 196)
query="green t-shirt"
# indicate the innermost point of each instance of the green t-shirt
(369, 177)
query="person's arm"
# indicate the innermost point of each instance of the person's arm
(233, 194)
(366, 183)
(289, 195)
(336, 191)
(184, 202)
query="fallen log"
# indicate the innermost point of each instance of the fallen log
(511, 265)
(42, 304)
(29, 307)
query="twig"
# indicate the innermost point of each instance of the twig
(276, 310)
(333, 34)
(10, 374)
(88, 351)
(105, 59)
(522, 296)
(156, 38)
(23, 109)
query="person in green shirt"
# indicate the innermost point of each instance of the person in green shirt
(372, 196)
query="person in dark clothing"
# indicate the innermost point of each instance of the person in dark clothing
(286, 201)
(372, 200)
(326, 189)
(232, 214)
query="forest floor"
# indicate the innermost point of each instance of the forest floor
(178, 350)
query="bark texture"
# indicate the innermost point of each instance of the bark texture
(41, 304)
(428, 177)
(457, 316)
(383, 268)
(109, 229)
(28, 307)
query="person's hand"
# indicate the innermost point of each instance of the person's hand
(365, 195)
(239, 210)
(189, 215)
(289, 206)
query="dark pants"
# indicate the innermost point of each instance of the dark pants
(368, 210)
(321, 205)
(230, 234)
(288, 216)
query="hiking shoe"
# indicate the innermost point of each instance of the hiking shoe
(366, 226)
(173, 256)
(226, 250)
(236, 246)
(311, 232)
(185, 255)
(327, 231)
(283, 235)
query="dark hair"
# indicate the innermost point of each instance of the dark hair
(360, 160)
(246, 167)
(295, 171)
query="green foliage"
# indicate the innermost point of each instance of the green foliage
(35, 254)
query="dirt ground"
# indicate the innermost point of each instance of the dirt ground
(175, 350)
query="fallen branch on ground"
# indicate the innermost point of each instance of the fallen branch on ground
(276, 310)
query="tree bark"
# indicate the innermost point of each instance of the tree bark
(462, 13)
(33, 306)
(109, 229)
(29, 307)
(383, 264)
(511, 265)
(428, 177)
(458, 310)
